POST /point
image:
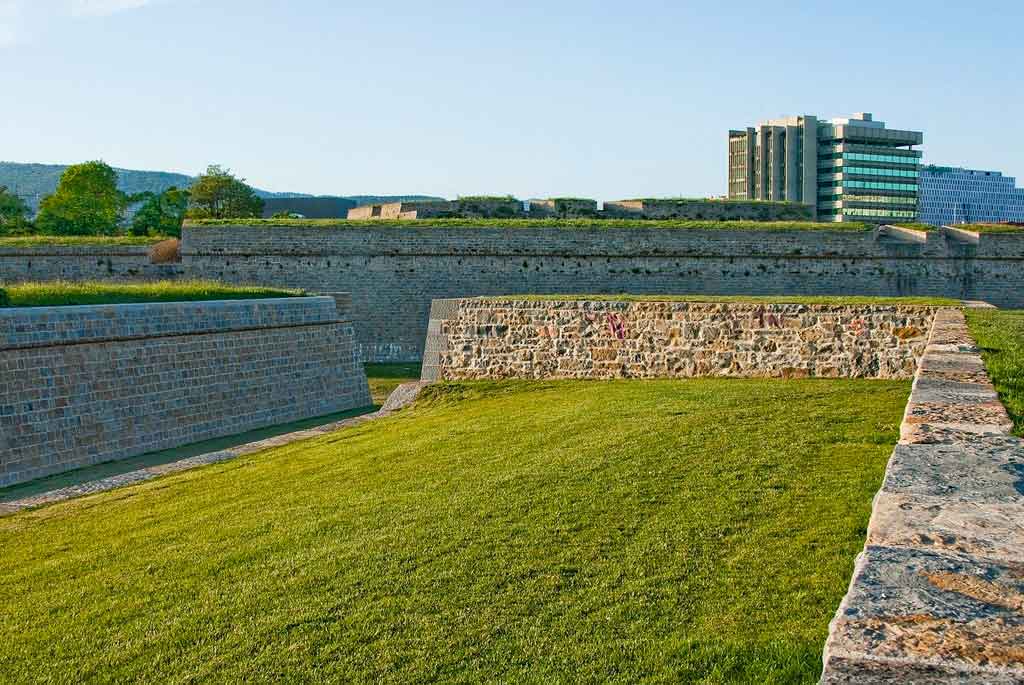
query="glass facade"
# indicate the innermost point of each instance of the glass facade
(953, 195)
(853, 167)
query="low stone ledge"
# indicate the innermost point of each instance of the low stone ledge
(953, 613)
(950, 525)
(938, 594)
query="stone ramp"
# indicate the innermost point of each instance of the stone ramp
(937, 595)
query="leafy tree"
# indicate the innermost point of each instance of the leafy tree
(86, 202)
(161, 214)
(13, 212)
(217, 194)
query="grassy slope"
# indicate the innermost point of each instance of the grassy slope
(384, 378)
(45, 240)
(1000, 334)
(765, 299)
(539, 223)
(58, 293)
(990, 228)
(571, 531)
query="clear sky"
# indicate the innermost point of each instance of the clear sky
(595, 99)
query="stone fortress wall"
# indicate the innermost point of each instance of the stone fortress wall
(88, 384)
(551, 339)
(577, 208)
(394, 272)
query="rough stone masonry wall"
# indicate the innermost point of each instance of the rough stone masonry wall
(82, 263)
(482, 338)
(937, 596)
(83, 385)
(394, 272)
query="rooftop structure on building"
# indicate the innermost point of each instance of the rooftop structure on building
(846, 169)
(954, 195)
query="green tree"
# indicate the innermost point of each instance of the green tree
(13, 212)
(217, 194)
(161, 214)
(86, 202)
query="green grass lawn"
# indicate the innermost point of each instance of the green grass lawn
(1000, 334)
(60, 293)
(45, 240)
(852, 300)
(990, 228)
(384, 378)
(697, 531)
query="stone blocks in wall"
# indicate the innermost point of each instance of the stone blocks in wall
(83, 262)
(544, 339)
(564, 208)
(394, 273)
(83, 385)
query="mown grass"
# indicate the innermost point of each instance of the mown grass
(990, 228)
(72, 240)
(568, 224)
(837, 300)
(384, 378)
(61, 293)
(1000, 335)
(684, 531)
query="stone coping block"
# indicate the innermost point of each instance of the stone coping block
(22, 327)
(938, 594)
(994, 530)
(949, 611)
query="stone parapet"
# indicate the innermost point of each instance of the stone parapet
(937, 596)
(543, 339)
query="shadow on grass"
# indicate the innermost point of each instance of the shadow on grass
(115, 468)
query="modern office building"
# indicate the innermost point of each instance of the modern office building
(953, 195)
(847, 169)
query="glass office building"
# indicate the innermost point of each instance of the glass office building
(846, 169)
(953, 195)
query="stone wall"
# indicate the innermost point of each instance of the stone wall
(545, 339)
(937, 594)
(393, 273)
(714, 210)
(82, 262)
(88, 384)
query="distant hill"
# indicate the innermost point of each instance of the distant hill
(33, 182)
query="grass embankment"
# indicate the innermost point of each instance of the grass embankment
(60, 293)
(558, 531)
(384, 378)
(540, 223)
(990, 228)
(1000, 335)
(851, 300)
(72, 240)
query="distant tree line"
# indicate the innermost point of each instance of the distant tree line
(87, 201)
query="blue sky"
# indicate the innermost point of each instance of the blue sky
(596, 99)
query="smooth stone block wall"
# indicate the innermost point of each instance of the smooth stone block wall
(83, 385)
